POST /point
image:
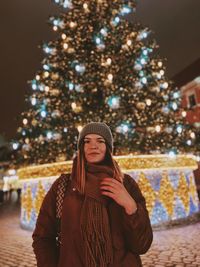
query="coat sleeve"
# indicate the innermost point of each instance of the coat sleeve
(44, 235)
(137, 227)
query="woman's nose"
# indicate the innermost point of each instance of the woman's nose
(93, 145)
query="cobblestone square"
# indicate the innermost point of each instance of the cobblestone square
(176, 247)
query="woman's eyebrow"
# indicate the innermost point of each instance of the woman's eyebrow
(98, 138)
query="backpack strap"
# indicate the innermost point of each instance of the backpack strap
(60, 194)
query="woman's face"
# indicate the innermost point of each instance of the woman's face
(94, 148)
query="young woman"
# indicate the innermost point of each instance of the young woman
(104, 221)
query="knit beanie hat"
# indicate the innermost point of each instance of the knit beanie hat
(99, 128)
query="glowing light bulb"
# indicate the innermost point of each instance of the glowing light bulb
(72, 24)
(65, 46)
(64, 36)
(184, 113)
(158, 128)
(33, 101)
(129, 42)
(179, 129)
(148, 102)
(110, 77)
(15, 146)
(85, 6)
(189, 142)
(109, 61)
(46, 88)
(192, 135)
(43, 114)
(25, 121)
(46, 74)
(73, 105)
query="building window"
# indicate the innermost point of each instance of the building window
(192, 101)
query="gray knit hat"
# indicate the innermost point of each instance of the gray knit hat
(99, 128)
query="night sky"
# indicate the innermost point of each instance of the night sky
(23, 27)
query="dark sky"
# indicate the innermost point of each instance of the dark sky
(23, 26)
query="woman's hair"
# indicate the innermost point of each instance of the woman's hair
(80, 167)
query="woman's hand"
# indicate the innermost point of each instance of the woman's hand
(116, 190)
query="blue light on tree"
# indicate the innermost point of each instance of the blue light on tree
(125, 128)
(43, 113)
(179, 129)
(104, 32)
(116, 21)
(80, 68)
(126, 10)
(15, 145)
(33, 101)
(176, 95)
(143, 34)
(49, 50)
(70, 86)
(64, 3)
(144, 80)
(114, 102)
(49, 135)
(46, 67)
(174, 105)
(34, 84)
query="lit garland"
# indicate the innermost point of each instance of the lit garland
(125, 162)
(167, 185)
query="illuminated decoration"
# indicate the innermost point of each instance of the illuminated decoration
(64, 3)
(80, 68)
(114, 102)
(123, 128)
(33, 101)
(167, 184)
(184, 114)
(143, 35)
(126, 10)
(15, 146)
(101, 67)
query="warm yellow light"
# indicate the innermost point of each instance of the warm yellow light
(65, 46)
(64, 36)
(162, 72)
(160, 64)
(37, 77)
(73, 105)
(109, 61)
(72, 24)
(192, 135)
(184, 113)
(110, 77)
(129, 42)
(157, 128)
(25, 121)
(85, 6)
(148, 102)
(46, 74)
(55, 28)
(46, 89)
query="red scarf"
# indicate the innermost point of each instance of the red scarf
(95, 227)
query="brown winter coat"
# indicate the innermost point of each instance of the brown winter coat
(131, 234)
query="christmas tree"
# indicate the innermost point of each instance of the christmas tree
(101, 67)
